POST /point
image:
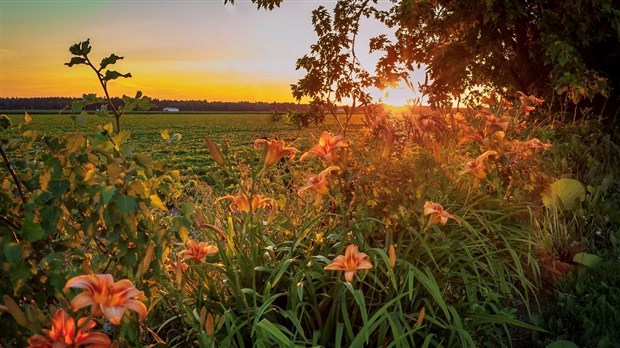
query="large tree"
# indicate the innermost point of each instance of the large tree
(567, 47)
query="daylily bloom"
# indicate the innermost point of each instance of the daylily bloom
(527, 102)
(490, 100)
(493, 123)
(495, 141)
(197, 251)
(438, 214)
(319, 183)
(477, 167)
(273, 151)
(327, 147)
(106, 296)
(522, 150)
(64, 333)
(350, 262)
(241, 202)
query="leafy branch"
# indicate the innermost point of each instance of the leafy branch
(80, 53)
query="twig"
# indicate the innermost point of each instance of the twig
(17, 183)
(10, 224)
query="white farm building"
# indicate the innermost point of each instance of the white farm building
(171, 109)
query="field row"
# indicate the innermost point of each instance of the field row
(189, 154)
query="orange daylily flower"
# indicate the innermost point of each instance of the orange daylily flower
(350, 262)
(319, 183)
(490, 100)
(495, 141)
(327, 147)
(527, 102)
(273, 151)
(64, 333)
(241, 202)
(494, 123)
(477, 167)
(197, 251)
(106, 296)
(438, 214)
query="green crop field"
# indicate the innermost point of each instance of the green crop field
(235, 130)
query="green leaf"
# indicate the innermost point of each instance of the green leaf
(107, 193)
(562, 344)
(126, 203)
(79, 119)
(109, 60)
(113, 75)
(5, 122)
(76, 60)
(32, 231)
(58, 187)
(13, 252)
(274, 332)
(176, 137)
(588, 260)
(565, 193)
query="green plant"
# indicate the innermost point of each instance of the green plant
(80, 52)
(584, 308)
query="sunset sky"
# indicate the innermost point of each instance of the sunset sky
(184, 49)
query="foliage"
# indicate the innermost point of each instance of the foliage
(253, 270)
(75, 203)
(531, 46)
(584, 309)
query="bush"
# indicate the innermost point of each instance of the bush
(585, 308)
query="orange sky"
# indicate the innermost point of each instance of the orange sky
(183, 49)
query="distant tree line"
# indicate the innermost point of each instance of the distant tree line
(58, 103)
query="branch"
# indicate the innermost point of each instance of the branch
(10, 224)
(104, 85)
(15, 178)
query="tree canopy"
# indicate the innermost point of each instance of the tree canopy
(544, 46)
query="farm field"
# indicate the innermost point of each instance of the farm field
(189, 154)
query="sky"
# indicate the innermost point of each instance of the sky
(174, 49)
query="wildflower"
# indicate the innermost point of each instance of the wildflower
(197, 251)
(437, 214)
(350, 262)
(241, 202)
(273, 151)
(495, 141)
(63, 334)
(527, 102)
(327, 147)
(215, 152)
(106, 296)
(521, 150)
(477, 167)
(490, 100)
(493, 123)
(319, 183)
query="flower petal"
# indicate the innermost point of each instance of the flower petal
(114, 314)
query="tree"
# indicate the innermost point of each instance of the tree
(543, 46)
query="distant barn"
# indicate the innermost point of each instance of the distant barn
(171, 109)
